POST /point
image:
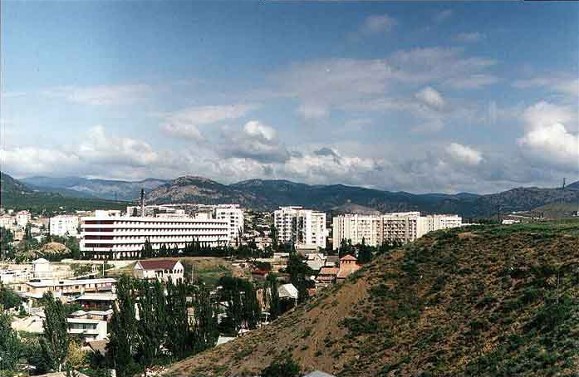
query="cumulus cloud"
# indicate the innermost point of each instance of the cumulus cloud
(34, 161)
(469, 37)
(547, 139)
(256, 141)
(431, 98)
(464, 154)
(185, 123)
(102, 94)
(443, 15)
(377, 24)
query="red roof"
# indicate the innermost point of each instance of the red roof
(328, 271)
(158, 264)
(348, 257)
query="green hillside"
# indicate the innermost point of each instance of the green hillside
(479, 301)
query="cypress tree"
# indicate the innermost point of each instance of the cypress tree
(54, 340)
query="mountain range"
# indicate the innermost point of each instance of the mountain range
(269, 194)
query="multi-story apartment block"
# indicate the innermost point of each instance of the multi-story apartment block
(116, 236)
(22, 218)
(63, 225)
(233, 214)
(302, 227)
(377, 229)
(356, 228)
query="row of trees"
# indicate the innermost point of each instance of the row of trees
(364, 252)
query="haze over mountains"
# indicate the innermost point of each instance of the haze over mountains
(269, 194)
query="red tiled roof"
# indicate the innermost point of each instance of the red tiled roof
(348, 257)
(158, 264)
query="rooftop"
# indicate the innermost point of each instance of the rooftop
(157, 264)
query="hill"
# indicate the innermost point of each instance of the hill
(269, 194)
(93, 188)
(484, 301)
(16, 195)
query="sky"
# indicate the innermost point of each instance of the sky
(413, 96)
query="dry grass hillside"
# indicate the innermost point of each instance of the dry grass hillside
(488, 301)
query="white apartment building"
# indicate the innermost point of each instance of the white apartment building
(233, 214)
(63, 225)
(122, 236)
(22, 218)
(303, 227)
(356, 228)
(399, 226)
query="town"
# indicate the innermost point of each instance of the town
(234, 270)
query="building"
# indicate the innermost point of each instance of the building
(87, 328)
(37, 287)
(387, 228)
(114, 236)
(302, 227)
(357, 228)
(23, 218)
(348, 265)
(160, 269)
(41, 269)
(63, 225)
(233, 215)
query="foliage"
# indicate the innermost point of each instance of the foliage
(282, 368)
(6, 248)
(8, 298)
(299, 273)
(54, 340)
(273, 296)
(242, 308)
(10, 346)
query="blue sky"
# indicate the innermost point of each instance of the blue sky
(414, 96)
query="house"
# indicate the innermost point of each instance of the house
(327, 275)
(348, 265)
(89, 329)
(160, 269)
(316, 261)
(96, 301)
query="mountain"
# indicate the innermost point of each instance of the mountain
(479, 301)
(17, 195)
(269, 194)
(93, 188)
(9, 185)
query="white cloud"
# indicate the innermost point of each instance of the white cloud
(185, 123)
(464, 154)
(377, 24)
(564, 84)
(443, 15)
(431, 98)
(255, 141)
(469, 37)
(33, 161)
(101, 95)
(547, 139)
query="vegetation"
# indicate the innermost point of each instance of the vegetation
(482, 301)
(54, 341)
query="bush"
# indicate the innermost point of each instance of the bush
(282, 368)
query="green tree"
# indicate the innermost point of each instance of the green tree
(6, 248)
(54, 341)
(178, 331)
(124, 338)
(8, 298)
(205, 331)
(273, 295)
(299, 273)
(152, 320)
(10, 347)
(365, 253)
(242, 308)
(282, 368)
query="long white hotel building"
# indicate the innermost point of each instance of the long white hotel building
(108, 233)
(303, 227)
(390, 227)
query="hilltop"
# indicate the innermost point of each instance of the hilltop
(485, 301)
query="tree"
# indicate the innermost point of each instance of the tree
(365, 253)
(178, 332)
(8, 298)
(10, 347)
(242, 308)
(6, 239)
(205, 332)
(123, 340)
(54, 340)
(273, 295)
(282, 368)
(152, 320)
(299, 272)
